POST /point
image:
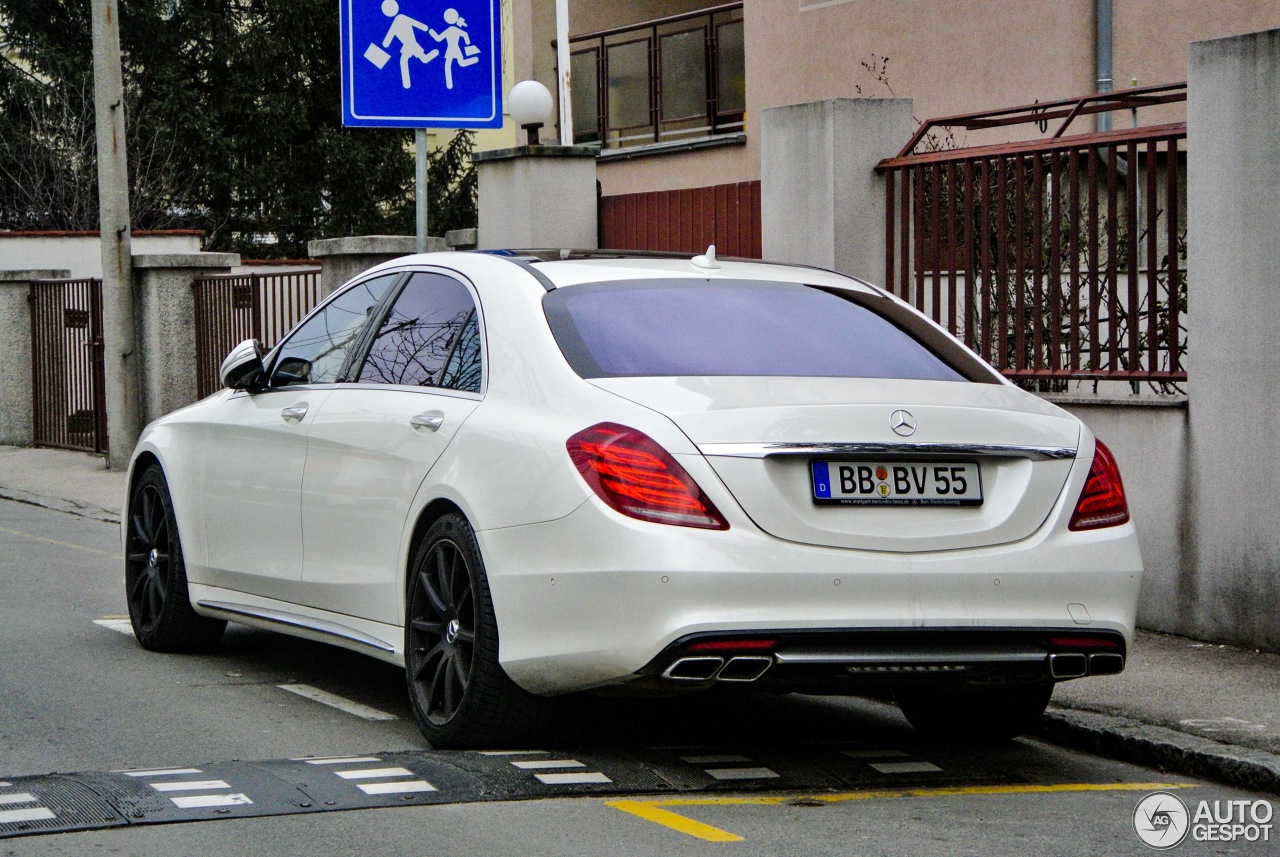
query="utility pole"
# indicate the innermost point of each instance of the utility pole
(118, 331)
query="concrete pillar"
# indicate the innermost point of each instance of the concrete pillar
(167, 332)
(343, 258)
(538, 197)
(821, 201)
(17, 427)
(1231, 589)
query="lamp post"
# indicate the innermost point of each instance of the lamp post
(530, 104)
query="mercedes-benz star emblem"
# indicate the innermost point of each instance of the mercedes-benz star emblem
(902, 423)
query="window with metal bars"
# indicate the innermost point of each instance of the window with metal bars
(670, 80)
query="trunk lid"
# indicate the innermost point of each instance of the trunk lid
(761, 434)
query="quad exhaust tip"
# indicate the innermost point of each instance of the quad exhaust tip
(744, 668)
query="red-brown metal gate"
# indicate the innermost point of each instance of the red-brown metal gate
(67, 365)
(1057, 260)
(231, 308)
(685, 221)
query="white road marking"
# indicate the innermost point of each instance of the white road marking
(905, 767)
(159, 772)
(18, 798)
(714, 760)
(334, 701)
(512, 752)
(202, 801)
(543, 764)
(338, 760)
(124, 626)
(396, 788)
(572, 779)
(875, 754)
(741, 773)
(14, 816)
(5, 785)
(374, 773)
(192, 786)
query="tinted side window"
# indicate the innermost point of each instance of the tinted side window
(463, 371)
(314, 353)
(425, 328)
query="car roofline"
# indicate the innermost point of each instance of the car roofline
(529, 258)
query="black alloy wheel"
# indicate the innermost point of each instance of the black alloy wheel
(442, 631)
(460, 695)
(155, 576)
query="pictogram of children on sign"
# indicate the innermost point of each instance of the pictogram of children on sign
(402, 28)
(460, 49)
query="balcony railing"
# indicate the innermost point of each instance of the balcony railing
(670, 80)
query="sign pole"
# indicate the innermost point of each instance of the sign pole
(420, 156)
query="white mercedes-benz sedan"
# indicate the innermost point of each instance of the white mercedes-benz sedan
(525, 475)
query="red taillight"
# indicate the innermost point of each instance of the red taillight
(635, 476)
(1102, 502)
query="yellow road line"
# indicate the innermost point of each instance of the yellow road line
(653, 810)
(48, 540)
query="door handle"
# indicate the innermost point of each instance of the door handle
(295, 414)
(430, 421)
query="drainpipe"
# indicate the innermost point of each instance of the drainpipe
(1102, 51)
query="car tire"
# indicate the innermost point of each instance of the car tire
(975, 715)
(460, 695)
(155, 574)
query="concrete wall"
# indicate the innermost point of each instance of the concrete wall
(80, 253)
(17, 427)
(1148, 436)
(1231, 590)
(166, 332)
(537, 196)
(821, 201)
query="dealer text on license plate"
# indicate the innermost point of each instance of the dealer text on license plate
(897, 483)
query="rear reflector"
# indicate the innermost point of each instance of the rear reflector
(633, 474)
(1102, 502)
(1083, 643)
(732, 645)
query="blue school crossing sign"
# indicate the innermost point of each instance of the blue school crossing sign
(421, 63)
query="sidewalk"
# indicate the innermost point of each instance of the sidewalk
(1184, 706)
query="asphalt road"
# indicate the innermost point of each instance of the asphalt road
(784, 775)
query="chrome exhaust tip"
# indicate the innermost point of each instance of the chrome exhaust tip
(693, 669)
(1105, 663)
(745, 668)
(1068, 665)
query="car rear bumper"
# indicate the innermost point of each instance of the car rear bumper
(595, 599)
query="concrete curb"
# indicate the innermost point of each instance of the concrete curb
(1159, 747)
(71, 507)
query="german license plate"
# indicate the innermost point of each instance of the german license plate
(897, 483)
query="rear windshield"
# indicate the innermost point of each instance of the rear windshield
(699, 327)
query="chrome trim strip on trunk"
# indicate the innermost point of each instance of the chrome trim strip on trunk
(792, 450)
(950, 654)
(320, 626)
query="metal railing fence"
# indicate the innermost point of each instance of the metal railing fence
(231, 308)
(1057, 260)
(68, 386)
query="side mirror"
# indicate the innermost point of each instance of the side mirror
(242, 370)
